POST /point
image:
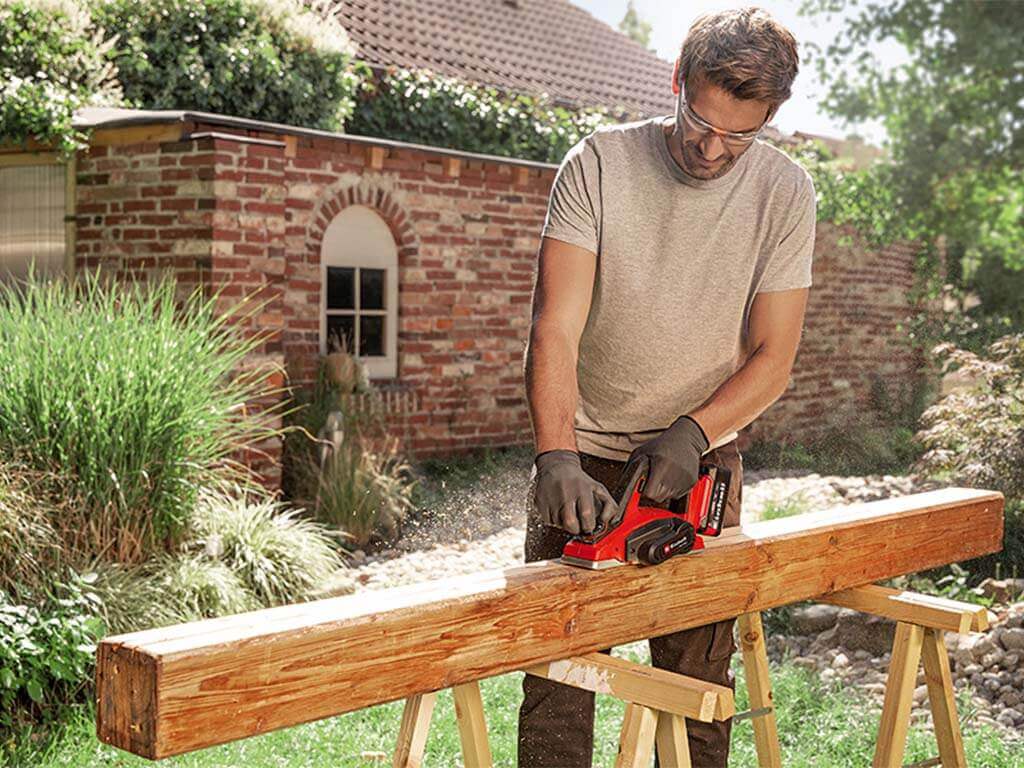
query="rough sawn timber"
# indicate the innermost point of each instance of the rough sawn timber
(167, 691)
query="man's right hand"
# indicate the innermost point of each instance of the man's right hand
(567, 497)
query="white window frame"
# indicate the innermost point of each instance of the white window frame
(358, 237)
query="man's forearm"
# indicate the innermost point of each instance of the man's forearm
(743, 396)
(551, 387)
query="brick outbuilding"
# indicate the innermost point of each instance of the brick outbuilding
(423, 256)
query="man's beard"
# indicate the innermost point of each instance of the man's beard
(693, 167)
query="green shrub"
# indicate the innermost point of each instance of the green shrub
(170, 589)
(974, 437)
(46, 653)
(243, 554)
(37, 109)
(130, 403)
(425, 108)
(276, 60)
(52, 61)
(363, 490)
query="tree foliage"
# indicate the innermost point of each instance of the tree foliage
(635, 27)
(953, 110)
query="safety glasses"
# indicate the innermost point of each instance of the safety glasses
(699, 125)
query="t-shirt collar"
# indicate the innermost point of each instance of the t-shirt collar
(657, 133)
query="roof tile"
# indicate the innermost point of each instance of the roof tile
(531, 46)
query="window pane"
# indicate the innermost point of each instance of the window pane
(371, 336)
(371, 289)
(341, 284)
(31, 220)
(341, 329)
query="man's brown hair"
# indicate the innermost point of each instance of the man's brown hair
(745, 52)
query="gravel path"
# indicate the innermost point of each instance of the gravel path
(482, 526)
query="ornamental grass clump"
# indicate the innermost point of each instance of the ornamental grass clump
(343, 465)
(279, 556)
(129, 402)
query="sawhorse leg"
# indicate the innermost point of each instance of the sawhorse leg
(762, 706)
(469, 712)
(914, 643)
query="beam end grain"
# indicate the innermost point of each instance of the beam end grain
(127, 714)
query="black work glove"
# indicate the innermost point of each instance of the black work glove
(567, 497)
(673, 460)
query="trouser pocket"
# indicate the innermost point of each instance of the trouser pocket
(722, 645)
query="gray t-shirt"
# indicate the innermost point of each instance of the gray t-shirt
(679, 262)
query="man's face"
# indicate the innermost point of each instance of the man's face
(704, 153)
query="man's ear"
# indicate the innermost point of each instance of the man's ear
(677, 77)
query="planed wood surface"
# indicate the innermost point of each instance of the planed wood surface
(167, 691)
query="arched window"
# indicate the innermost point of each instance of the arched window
(359, 296)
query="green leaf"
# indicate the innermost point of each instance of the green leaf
(35, 690)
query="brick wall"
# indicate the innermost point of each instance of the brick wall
(851, 339)
(245, 211)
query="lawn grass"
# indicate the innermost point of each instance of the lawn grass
(819, 726)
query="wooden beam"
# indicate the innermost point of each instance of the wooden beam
(167, 691)
(912, 607)
(22, 157)
(158, 133)
(642, 684)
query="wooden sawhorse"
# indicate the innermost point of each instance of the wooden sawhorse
(658, 702)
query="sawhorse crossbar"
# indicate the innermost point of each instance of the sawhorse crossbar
(658, 702)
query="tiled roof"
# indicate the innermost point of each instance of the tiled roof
(521, 46)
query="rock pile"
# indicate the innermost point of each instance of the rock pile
(845, 646)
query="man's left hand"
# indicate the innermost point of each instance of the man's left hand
(673, 460)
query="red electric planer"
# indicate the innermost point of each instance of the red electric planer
(647, 534)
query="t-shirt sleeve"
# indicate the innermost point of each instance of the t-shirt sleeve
(790, 265)
(574, 205)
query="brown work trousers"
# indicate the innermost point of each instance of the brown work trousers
(556, 721)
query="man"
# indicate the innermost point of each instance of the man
(672, 280)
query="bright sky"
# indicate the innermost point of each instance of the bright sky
(670, 20)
